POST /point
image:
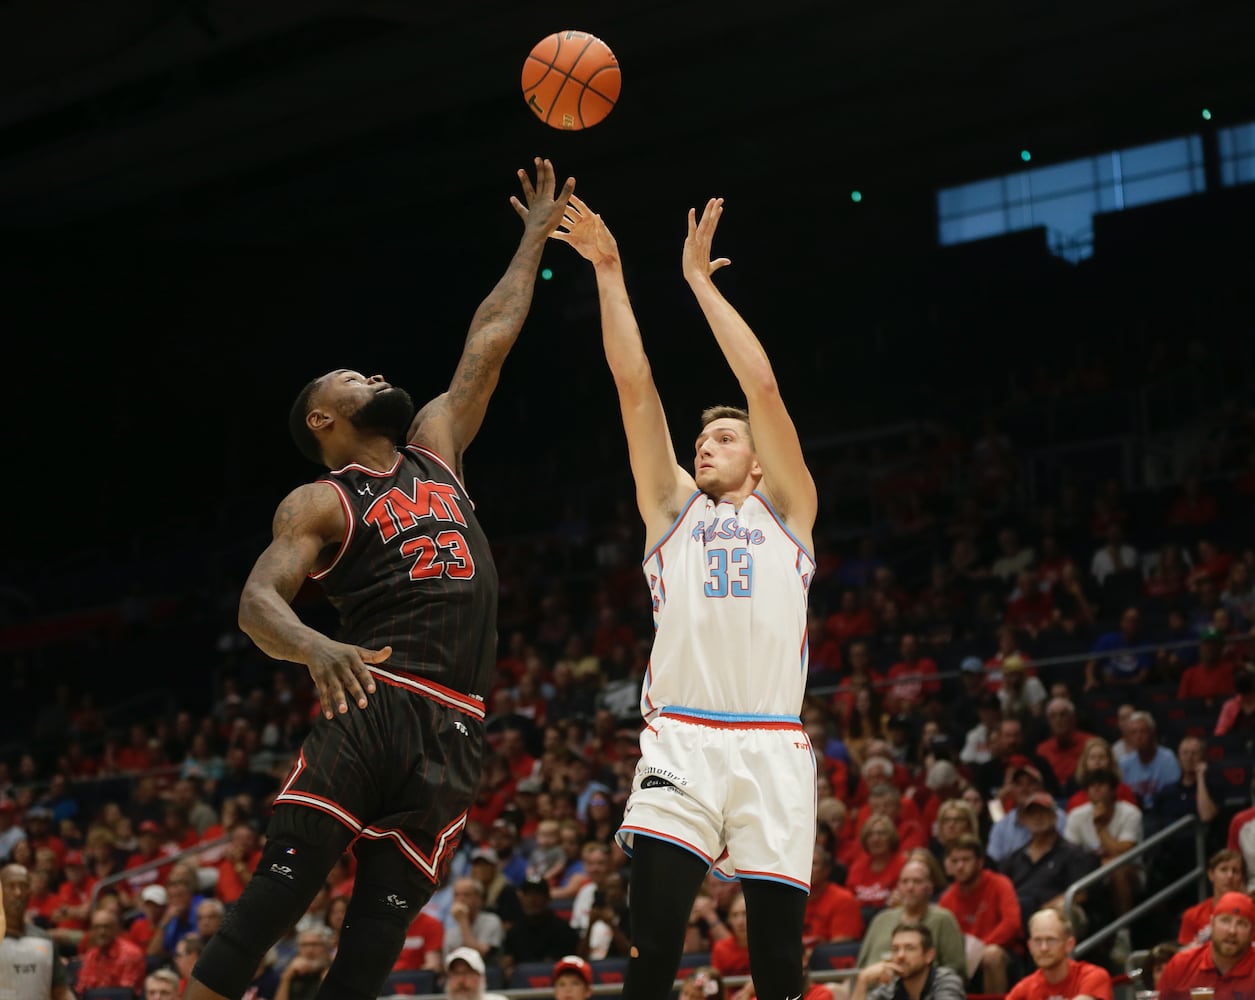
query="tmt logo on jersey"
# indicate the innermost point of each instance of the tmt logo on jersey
(397, 511)
(727, 527)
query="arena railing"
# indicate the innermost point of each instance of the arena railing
(733, 983)
(161, 862)
(1198, 875)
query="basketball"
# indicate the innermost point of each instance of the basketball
(571, 80)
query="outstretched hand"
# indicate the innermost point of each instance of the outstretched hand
(698, 264)
(543, 210)
(584, 230)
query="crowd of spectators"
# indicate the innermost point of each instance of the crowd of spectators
(990, 686)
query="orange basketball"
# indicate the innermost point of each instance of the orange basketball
(571, 80)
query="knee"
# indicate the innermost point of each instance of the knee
(994, 956)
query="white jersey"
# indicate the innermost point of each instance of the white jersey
(27, 967)
(729, 593)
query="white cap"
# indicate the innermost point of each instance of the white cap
(468, 955)
(155, 894)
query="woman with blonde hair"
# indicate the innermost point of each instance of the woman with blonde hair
(874, 873)
(1096, 756)
(955, 817)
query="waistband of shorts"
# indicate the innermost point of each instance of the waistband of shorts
(464, 703)
(729, 720)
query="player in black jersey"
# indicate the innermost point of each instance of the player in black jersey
(391, 535)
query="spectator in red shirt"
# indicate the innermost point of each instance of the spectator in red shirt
(513, 748)
(1238, 712)
(149, 849)
(837, 832)
(1193, 508)
(850, 621)
(1226, 871)
(885, 800)
(111, 960)
(832, 911)
(1030, 606)
(988, 911)
(69, 917)
(239, 858)
(1212, 676)
(39, 832)
(1063, 748)
(1226, 963)
(731, 955)
(1058, 977)
(1212, 565)
(915, 678)
(137, 754)
(873, 875)
(424, 945)
(152, 901)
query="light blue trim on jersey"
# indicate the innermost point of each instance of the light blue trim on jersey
(629, 851)
(784, 527)
(702, 713)
(671, 530)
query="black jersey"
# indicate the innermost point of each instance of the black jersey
(415, 572)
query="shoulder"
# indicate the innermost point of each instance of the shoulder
(947, 982)
(941, 915)
(1022, 989)
(945, 974)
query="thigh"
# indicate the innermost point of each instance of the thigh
(678, 790)
(427, 784)
(770, 808)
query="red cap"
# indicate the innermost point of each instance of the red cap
(573, 963)
(1237, 903)
(148, 826)
(73, 858)
(1039, 799)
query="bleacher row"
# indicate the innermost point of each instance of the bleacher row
(526, 975)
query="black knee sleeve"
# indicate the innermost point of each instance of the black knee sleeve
(373, 934)
(775, 914)
(286, 879)
(663, 883)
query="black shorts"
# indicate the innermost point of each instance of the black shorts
(402, 772)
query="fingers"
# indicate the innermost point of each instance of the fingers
(544, 175)
(354, 685)
(519, 207)
(331, 698)
(528, 191)
(576, 203)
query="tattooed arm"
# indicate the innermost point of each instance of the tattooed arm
(308, 524)
(449, 423)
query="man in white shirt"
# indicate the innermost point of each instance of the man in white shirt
(1115, 556)
(1108, 827)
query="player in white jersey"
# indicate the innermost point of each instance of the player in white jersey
(727, 775)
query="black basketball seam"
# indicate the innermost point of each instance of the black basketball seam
(580, 96)
(605, 97)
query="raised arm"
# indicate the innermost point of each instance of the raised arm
(662, 485)
(307, 523)
(787, 481)
(449, 423)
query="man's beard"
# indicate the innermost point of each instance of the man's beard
(389, 412)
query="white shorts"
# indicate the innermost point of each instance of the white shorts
(736, 790)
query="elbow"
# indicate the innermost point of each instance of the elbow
(760, 382)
